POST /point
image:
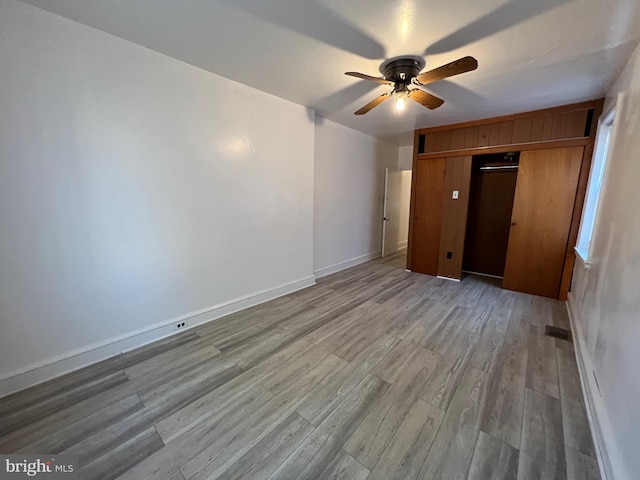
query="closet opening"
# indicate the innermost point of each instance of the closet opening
(492, 190)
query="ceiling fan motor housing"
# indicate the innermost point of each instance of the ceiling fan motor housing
(402, 70)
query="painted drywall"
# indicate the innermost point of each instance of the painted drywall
(405, 157)
(604, 297)
(348, 190)
(391, 211)
(405, 202)
(135, 189)
(405, 163)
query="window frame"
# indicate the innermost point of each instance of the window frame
(602, 152)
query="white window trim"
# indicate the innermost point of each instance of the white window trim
(585, 252)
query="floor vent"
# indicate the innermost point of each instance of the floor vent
(557, 332)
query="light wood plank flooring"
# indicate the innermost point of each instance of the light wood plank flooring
(375, 373)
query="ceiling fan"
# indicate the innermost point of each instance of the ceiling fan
(403, 72)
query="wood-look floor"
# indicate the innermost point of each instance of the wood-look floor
(375, 373)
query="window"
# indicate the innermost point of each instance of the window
(595, 184)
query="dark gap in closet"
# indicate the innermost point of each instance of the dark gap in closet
(493, 186)
(587, 127)
(421, 142)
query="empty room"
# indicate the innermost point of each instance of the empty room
(320, 239)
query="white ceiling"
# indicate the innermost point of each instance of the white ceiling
(531, 53)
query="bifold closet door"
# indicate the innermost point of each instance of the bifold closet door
(542, 211)
(427, 215)
(455, 203)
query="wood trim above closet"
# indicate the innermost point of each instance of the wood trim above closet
(514, 116)
(517, 132)
(514, 147)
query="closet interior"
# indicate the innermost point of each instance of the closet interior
(491, 194)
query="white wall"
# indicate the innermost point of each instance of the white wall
(405, 203)
(348, 193)
(405, 163)
(136, 189)
(405, 157)
(604, 301)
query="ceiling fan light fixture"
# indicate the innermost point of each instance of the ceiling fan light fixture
(401, 102)
(402, 72)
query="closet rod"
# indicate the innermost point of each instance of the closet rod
(502, 167)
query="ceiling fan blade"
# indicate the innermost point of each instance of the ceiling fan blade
(462, 65)
(369, 77)
(426, 99)
(374, 103)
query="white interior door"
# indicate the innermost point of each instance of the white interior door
(391, 211)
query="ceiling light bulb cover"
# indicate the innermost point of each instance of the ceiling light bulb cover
(400, 103)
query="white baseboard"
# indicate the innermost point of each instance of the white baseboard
(54, 367)
(610, 461)
(336, 267)
(448, 278)
(403, 245)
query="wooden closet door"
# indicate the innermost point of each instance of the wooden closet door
(454, 216)
(427, 215)
(542, 210)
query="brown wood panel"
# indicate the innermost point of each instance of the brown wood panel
(506, 133)
(568, 125)
(567, 274)
(438, 142)
(579, 204)
(541, 219)
(483, 135)
(576, 124)
(522, 130)
(429, 143)
(558, 126)
(561, 123)
(547, 127)
(536, 128)
(458, 138)
(581, 191)
(471, 139)
(427, 215)
(454, 212)
(412, 204)
(515, 147)
(494, 134)
(443, 141)
(546, 111)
